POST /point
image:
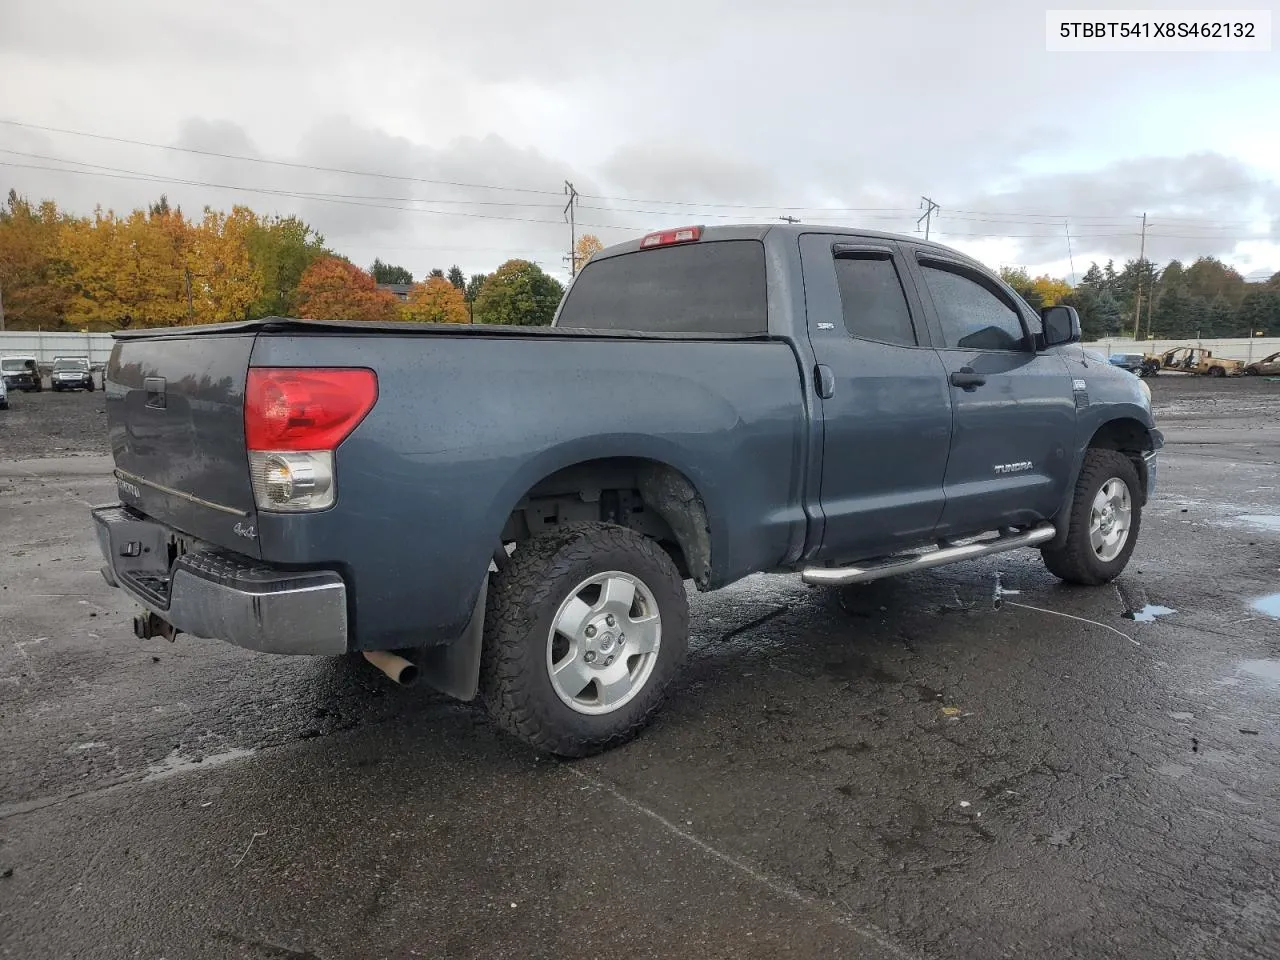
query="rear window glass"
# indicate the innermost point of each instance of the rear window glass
(712, 287)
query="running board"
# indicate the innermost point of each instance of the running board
(841, 576)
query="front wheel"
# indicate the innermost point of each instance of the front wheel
(584, 631)
(1103, 521)
(1217, 372)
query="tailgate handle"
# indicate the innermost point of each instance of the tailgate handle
(155, 392)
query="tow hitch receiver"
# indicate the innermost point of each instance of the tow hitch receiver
(147, 625)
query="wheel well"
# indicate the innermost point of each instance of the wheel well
(1129, 437)
(649, 497)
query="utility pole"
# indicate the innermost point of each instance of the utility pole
(573, 229)
(789, 219)
(1137, 298)
(1, 310)
(190, 309)
(927, 216)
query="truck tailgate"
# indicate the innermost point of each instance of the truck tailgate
(175, 415)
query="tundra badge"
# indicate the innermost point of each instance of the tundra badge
(1018, 467)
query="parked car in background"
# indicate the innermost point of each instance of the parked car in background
(4, 395)
(72, 373)
(21, 373)
(1266, 367)
(1194, 360)
(1133, 362)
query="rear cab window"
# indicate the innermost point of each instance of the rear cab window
(709, 287)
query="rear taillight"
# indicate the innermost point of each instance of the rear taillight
(664, 238)
(294, 418)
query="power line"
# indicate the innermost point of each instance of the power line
(272, 162)
(149, 178)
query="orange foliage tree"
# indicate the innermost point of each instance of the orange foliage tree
(335, 289)
(436, 301)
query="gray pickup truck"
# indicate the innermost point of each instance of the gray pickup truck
(513, 512)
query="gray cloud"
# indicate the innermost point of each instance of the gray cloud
(814, 104)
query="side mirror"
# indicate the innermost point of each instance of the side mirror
(1061, 325)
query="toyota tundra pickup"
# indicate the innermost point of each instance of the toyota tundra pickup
(512, 513)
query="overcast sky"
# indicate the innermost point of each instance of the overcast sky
(660, 113)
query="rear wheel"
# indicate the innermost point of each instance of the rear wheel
(1217, 372)
(1103, 521)
(584, 631)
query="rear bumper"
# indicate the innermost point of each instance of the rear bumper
(222, 596)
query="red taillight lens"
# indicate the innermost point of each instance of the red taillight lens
(305, 408)
(665, 238)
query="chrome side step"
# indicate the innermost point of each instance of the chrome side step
(840, 576)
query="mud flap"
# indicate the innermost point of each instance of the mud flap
(454, 668)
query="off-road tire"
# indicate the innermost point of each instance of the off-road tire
(523, 600)
(1075, 561)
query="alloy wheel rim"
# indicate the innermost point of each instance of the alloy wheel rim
(603, 643)
(1110, 519)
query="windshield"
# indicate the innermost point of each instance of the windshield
(14, 365)
(71, 365)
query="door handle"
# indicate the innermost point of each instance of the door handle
(825, 381)
(967, 378)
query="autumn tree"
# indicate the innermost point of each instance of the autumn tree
(518, 293)
(457, 277)
(224, 282)
(334, 289)
(33, 276)
(436, 301)
(1023, 286)
(387, 273)
(1050, 290)
(588, 246)
(281, 249)
(127, 272)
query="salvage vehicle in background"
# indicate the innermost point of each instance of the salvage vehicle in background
(1266, 367)
(517, 509)
(4, 395)
(72, 373)
(21, 373)
(1195, 360)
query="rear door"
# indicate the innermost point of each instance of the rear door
(175, 415)
(886, 408)
(1015, 408)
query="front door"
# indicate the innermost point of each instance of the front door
(1015, 408)
(886, 408)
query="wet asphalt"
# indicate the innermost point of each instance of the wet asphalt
(898, 770)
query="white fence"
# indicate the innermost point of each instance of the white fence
(1242, 348)
(45, 346)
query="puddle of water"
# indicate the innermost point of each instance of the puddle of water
(1268, 670)
(1267, 521)
(1270, 605)
(1148, 613)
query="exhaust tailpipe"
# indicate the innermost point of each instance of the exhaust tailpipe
(396, 667)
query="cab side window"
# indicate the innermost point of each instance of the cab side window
(872, 299)
(972, 316)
